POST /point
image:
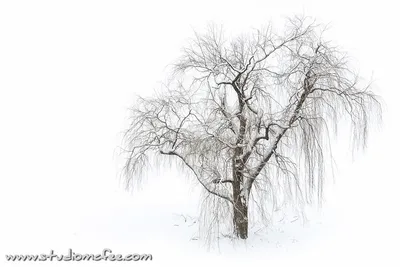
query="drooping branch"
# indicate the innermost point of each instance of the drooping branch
(199, 179)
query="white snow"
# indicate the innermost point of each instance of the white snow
(69, 71)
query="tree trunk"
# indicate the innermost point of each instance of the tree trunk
(240, 207)
(240, 219)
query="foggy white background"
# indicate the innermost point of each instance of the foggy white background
(69, 70)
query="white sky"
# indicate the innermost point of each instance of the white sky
(70, 69)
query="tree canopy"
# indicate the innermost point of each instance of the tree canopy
(250, 117)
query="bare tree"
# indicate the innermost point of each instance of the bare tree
(250, 118)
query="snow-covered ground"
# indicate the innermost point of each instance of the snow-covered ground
(68, 73)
